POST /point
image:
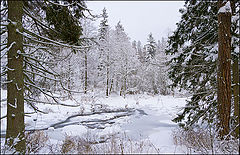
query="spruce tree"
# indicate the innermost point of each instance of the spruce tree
(193, 66)
(124, 52)
(104, 57)
(151, 46)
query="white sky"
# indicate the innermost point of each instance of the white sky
(139, 18)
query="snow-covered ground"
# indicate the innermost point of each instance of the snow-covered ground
(141, 117)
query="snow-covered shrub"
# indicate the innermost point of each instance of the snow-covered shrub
(35, 141)
(107, 144)
(67, 145)
(201, 140)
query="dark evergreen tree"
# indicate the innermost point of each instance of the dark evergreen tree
(69, 30)
(193, 67)
(103, 30)
(54, 14)
(104, 27)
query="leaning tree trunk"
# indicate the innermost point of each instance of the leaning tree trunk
(224, 74)
(15, 108)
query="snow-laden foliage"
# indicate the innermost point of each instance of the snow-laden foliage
(114, 64)
(151, 46)
(105, 59)
(193, 66)
(72, 67)
(44, 40)
(152, 71)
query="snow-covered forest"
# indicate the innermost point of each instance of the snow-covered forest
(69, 86)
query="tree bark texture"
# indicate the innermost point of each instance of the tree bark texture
(236, 76)
(236, 93)
(15, 88)
(224, 74)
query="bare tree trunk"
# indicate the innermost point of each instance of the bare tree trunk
(107, 93)
(121, 90)
(15, 108)
(125, 86)
(69, 72)
(111, 87)
(224, 74)
(107, 83)
(86, 77)
(125, 78)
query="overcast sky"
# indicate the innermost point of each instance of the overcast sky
(139, 18)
